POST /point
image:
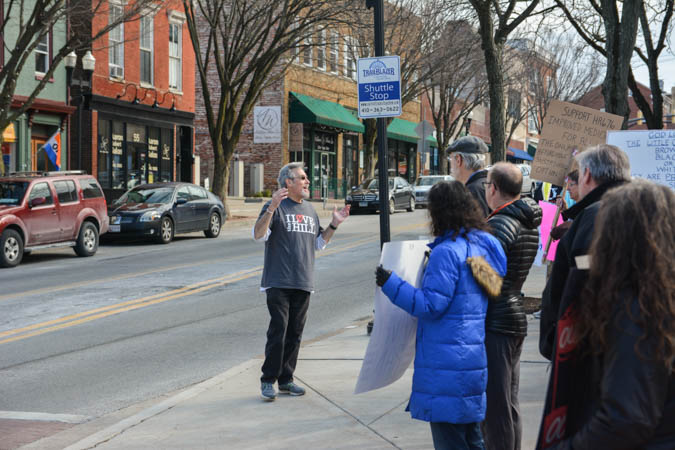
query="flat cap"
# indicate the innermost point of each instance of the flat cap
(468, 144)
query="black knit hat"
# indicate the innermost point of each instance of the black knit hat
(468, 144)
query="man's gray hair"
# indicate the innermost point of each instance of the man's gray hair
(473, 161)
(286, 173)
(605, 163)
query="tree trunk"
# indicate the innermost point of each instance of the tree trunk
(221, 171)
(493, 64)
(620, 43)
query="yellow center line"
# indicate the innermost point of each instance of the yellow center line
(130, 305)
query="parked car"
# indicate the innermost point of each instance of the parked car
(161, 210)
(41, 210)
(366, 197)
(422, 186)
(529, 185)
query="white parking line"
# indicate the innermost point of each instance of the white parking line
(43, 417)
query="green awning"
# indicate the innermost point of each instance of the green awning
(404, 130)
(306, 109)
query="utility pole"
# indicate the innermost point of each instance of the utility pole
(383, 169)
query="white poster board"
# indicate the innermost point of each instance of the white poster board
(392, 343)
(651, 153)
(267, 125)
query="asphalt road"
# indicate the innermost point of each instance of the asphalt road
(88, 336)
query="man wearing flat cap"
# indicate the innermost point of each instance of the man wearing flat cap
(467, 164)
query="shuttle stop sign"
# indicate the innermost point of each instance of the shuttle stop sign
(379, 87)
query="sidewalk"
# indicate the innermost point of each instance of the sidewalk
(227, 412)
(244, 212)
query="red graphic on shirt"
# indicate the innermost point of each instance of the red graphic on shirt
(299, 223)
(299, 218)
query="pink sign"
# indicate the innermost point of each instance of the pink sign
(548, 213)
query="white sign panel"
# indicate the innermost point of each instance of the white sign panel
(651, 153)
(391, 347)
(379, 81)
(267, 125)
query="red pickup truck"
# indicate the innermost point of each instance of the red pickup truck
(41, 210)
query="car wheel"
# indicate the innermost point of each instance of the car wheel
(411, 205)
(214, 226)
(165, 230)
(87, 241)
(11, 245)
(392, 206)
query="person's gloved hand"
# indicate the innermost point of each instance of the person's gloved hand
(381, 275)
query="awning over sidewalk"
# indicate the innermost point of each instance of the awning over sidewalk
(518, 154)
(404, 130)
(306, 109)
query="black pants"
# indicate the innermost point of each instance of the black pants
(288, 312)
(502, 428)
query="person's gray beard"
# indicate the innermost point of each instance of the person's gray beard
(305, 195)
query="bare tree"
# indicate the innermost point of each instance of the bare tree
(32, 21)
(410, 30)
(458, 85)
(497, 20)
(247, 45)
(657, 17)
(613, 34)
(568, 72)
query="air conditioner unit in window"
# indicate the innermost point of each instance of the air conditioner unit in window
(116, 72)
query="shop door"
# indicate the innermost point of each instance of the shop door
(350, 161)
(38, 157)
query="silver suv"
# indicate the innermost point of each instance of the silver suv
(422, 186)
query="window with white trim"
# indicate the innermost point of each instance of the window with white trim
(307, 52)
(532, 120)
(42, 54)
(146, 45)
(350, 57)
(321, 50)
(175, 55)
(116, 43)
(333, 52)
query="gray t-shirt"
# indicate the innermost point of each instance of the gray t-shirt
(289, 250)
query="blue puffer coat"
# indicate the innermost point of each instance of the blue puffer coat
(450, 363)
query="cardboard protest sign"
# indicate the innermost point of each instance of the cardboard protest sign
(568, 127)
(392, 344)
(651, 153)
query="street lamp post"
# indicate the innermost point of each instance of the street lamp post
(84, 90)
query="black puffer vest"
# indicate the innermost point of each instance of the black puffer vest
(515, 226)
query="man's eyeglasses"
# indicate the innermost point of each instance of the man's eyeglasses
(572, 184)
(487, 183)
(301, 177)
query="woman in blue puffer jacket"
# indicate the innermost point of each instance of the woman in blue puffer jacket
(450, 374)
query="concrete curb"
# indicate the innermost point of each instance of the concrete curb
(130, 422)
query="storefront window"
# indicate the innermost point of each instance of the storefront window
(324, 175)
(153, 155)
(136, 155)
(117, 150)
(104, 153)
(166, 165)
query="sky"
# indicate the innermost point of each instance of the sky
(666, 71)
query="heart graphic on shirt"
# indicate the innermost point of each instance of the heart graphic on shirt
(299, 217)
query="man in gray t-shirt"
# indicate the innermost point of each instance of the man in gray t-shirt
(290, 228)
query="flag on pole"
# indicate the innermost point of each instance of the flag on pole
(53, 149)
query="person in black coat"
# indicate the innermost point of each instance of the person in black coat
(600, 168)
(615, 386)
(514, 221)
(467, 163)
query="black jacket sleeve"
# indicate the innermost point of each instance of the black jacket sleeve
(633, 392)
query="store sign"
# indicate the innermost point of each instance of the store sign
(295, 131)
(379, 81)
(267, 125)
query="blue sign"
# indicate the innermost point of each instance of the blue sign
(379, 81)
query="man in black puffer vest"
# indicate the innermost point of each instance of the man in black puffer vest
(514, 223)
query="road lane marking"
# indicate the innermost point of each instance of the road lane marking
(130, 305)
(43, 417)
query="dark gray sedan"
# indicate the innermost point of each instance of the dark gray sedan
(161, 210)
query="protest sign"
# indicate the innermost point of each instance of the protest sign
(568, 127)
(392, 344)
(651, 153)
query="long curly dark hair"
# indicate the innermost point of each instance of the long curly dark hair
(632, 251)
(453, 208)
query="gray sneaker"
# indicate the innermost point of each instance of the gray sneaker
(267, 391)
(291, 388)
